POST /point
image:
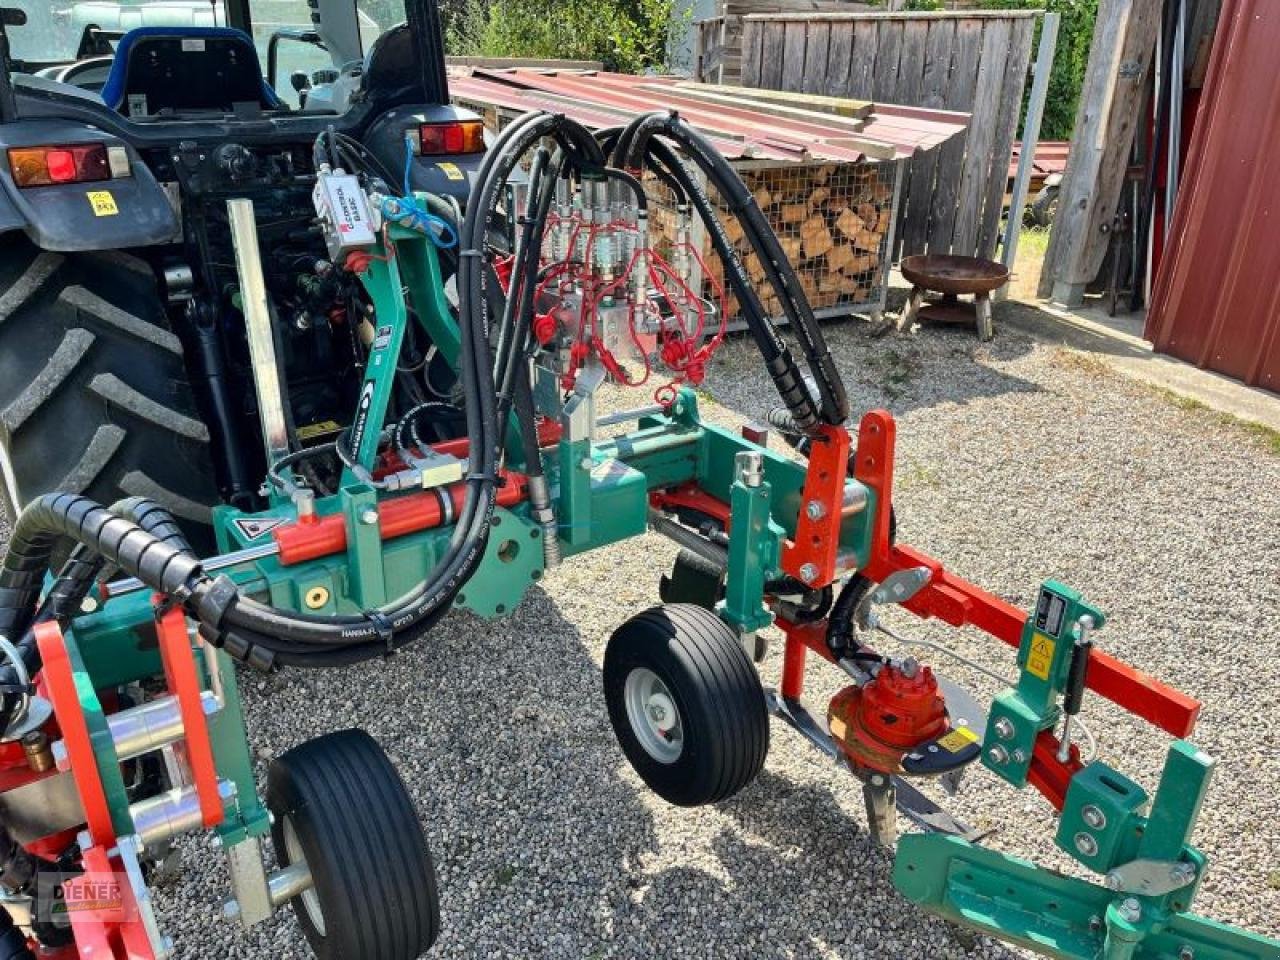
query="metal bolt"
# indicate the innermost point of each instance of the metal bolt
(1183, 873)
(1112, 881)
(586, 463)
(998, 754)
(369, 516)
(1093, 816)
(1095, 923)
(88, 605)
(1019, 756)
(815, 510)
(808, 573)
(1186, 953)
(749, 467)
(1004, 729)
(1086, 844)
(1130, 910)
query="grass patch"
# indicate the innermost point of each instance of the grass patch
(917, 476)
(1263, 436)
(504, 875)
(896, 371)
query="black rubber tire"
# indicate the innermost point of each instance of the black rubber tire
(94, 395)
(361, 839)
(716, 690)
(1045, 206)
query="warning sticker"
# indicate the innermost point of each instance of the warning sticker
(103, 203)
(451, 170)
(957, 739)
(313, 430)
(251, 528)
(1040, 657)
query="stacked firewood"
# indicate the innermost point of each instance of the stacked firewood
(832, 220)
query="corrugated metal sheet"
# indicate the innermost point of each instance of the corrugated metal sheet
(602, 99)
(1217, 296)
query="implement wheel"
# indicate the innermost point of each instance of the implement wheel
(94, 393)
(686, 704)
(340, 807)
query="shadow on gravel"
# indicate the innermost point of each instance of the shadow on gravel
(805, 880)
(937, 364)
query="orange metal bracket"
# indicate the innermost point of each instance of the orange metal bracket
(817, 541)
(61, 681)
(184, 683)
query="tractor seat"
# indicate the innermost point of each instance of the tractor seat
(186, 70)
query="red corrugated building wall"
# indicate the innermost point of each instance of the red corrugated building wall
(1217, 297)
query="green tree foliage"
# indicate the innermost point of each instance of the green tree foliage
(629, 36)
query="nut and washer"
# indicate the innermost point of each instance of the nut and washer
(808, 573)
(1005, 728)
(369, 516)
(1130, 910)
(998, 754)
(1093, 816)
(814, 510)
(1086, 844)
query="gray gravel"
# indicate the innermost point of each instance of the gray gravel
(1017, 462)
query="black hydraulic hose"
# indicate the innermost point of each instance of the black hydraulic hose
(778, 269)
(777, 356)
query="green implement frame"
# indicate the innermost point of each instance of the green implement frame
(604, 489)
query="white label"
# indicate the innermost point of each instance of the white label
(192, 45)
(347, 209)
(137, 104)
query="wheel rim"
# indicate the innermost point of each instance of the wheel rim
(653, 715)
(310, 899)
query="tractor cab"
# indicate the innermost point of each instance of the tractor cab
(149, 58)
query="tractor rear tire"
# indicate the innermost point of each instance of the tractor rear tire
(686, 704)
(94, 394)
(339, 805)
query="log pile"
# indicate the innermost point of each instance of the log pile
(832, 220)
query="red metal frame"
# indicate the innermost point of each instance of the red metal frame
(61, 681)
(960, 603)
(116, 933)
(184, 683)
(817, 540)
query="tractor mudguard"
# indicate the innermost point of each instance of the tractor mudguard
(112, 214)
(442, 175)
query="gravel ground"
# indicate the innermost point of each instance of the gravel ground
(1017, 462)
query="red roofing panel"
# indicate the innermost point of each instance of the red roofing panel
(1217, 298)
(600, 99)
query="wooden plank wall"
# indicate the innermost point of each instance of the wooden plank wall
(721, 37)
(970, 61)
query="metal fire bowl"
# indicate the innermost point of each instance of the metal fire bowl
(955, 275)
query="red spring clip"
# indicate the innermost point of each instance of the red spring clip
(544, 328)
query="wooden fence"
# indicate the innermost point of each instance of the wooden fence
(974, 62)
(717, 41)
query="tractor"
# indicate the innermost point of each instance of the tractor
(329, 368)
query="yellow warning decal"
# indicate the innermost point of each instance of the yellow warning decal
(103, 203)
(957, 739)
(1040, 658)
(451, 170)
(313, 430)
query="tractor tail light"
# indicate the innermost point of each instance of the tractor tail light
(89, 163)
(458, 136)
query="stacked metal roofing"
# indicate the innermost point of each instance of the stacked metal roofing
(742, 129)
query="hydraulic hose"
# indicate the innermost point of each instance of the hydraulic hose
(631, 149)
(777, 356)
